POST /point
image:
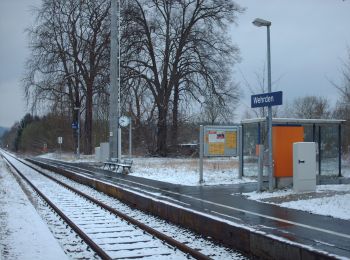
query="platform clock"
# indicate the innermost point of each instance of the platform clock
(124, 121)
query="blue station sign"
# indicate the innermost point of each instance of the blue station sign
(266, 99)
(75, 125)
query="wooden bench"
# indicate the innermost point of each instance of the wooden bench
(115, 164)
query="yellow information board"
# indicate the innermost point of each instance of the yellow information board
(216, 148)
(231, 139)
(220, 140)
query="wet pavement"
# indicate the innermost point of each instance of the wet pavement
(320, 232)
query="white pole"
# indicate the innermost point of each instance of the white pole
(201, 140)
(119, 141)
(240, 152)
(114, 97)
(78, 152)
(261, 166)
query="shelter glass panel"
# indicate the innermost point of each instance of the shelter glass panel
(253, 134)
(329, 150)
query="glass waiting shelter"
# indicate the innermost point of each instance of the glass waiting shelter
(326, 133)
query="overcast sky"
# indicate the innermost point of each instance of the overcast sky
(308, 42)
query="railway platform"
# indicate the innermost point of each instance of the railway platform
(259, 229)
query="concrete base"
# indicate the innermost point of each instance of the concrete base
(284, 182)
(305, 186)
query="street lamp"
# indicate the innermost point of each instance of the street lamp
(259, 23)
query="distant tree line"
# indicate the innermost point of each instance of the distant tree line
(177, 63)
(37, 135)
(176, 59)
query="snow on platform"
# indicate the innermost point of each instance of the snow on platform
(328, 200)
(23, 234)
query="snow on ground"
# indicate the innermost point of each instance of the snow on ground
(68, 157)
(216, 171)
(183, 171)
(23, 234)
(328, 200)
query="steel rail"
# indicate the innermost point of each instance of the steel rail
(182, 247)
(99, 251)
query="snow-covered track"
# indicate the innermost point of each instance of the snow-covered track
(110, 233)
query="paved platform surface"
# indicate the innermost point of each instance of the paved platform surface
(319, 232)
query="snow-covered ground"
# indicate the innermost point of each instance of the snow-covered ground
(19, 220)
(329, 200)
(23, 234)
(216, 171)
(186, 171)
(13, 247)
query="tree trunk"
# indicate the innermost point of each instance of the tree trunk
(174, 130)
(162, 132)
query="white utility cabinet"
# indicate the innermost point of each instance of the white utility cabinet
(304, 166)
(104, 151)
(98, 154)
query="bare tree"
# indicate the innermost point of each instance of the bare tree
(344, 86)
(180, 47)
(260, 86)
(69, 61)
(311, 107)
(342, 108)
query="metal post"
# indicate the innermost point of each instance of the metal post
(201, 144)
(269, 110)
(240, 146)
(339, 150)
(130, 138)
(114, 97)
(319, 150)
(119, 142)
(261, 166)
(78, 132)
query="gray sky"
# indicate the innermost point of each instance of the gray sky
(308, 42)
(15, 16)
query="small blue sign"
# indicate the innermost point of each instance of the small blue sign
(75, 125)
(266, 99)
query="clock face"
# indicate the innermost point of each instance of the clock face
(124, 121)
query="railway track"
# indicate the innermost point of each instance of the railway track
(109, 233)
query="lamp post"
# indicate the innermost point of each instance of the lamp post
(259, 23)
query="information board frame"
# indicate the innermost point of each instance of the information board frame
(220, 141)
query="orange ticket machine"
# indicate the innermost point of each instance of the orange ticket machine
(283, 138)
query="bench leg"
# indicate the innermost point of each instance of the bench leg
(126, 169)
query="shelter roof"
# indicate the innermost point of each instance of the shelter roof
(301, 121)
